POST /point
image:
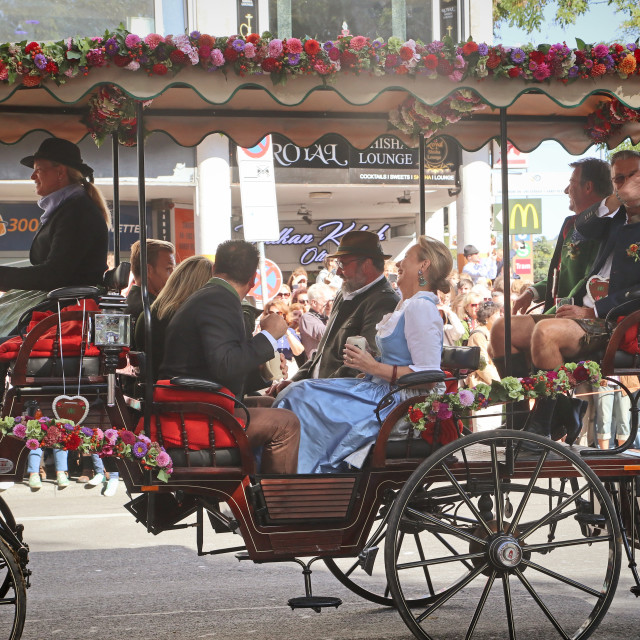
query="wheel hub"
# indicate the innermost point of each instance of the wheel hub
(505, 552)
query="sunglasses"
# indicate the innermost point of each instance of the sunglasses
(283, 294)
(619, 180)
(303, 300)
(342, 263)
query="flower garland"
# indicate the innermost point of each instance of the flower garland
(61, 434)
(422, 415)
(608, 118)
(415, 118)
(110, 111)
(32, 63)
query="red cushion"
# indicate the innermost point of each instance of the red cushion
(630, 343)
(197, 425)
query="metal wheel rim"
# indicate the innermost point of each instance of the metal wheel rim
(492, 439)
(14, 593)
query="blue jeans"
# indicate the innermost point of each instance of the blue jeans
(98, 466)
(59, 456)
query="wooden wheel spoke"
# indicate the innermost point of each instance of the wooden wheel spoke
(496, 481)
(550, 546)
(480, 607)
(444, 525)
(561, 578)
(527, 494)
(506, 588)
(443, 560)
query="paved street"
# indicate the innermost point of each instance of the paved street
(98, 574)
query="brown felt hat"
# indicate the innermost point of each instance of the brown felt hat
(360, 243)
(61, 151)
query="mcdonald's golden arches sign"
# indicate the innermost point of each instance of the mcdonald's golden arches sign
(525, 216)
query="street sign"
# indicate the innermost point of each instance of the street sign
(274, 281)
(258, 192)
(525, 216)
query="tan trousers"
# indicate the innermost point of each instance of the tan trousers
(277, 431)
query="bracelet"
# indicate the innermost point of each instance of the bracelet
(394, 375)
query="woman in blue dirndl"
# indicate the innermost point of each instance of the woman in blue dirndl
(337, 420)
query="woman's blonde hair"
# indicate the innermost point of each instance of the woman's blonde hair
(75, 177)
(441, 262)
(189, 276)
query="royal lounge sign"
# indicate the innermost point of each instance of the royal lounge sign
(318, 245)
(386, 161)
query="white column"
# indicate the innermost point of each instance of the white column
(474, 203)
(434, 225)
(212, 215)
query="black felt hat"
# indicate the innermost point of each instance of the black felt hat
(360, 243)
(469, 250)
(61, 151)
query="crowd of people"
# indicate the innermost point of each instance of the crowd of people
(312, 411)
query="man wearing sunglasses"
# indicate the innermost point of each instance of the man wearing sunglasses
(365, 297)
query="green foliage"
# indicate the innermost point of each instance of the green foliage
(529, 14)
(542, 254)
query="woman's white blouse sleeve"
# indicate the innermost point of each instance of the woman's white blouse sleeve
(423, 331)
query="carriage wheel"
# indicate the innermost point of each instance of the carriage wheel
(13, 594)
(535, 534)
(374, 586)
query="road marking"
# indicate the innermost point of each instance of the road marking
(75, 517)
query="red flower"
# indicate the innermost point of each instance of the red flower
(269, 64)
(253, 38)
(334, 54)
(204, 52)
(598, 70)
(469, 48)
(121, 61)
(230, 54)
(581, 373)
(348, 58)
(580, 56)
(31, 81)
(51, 67)
(431, 61)
(159, 69)
(312, 47)
(618, 47)
(415, 414)
(73, 442)
(178, 57)
(537, 57)
(493, 60)
(514, 72)
(444, 67)
(31, 47)
(636, 53)
(401, 70)
(406, 53)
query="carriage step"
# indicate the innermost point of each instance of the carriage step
(242, 555)
(635, 590)
(317, 603)
(595, 519)
(367, 558)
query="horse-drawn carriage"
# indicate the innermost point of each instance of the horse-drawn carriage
(471, 528)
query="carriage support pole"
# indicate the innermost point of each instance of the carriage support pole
(115, 157)
(421, 154)
(506, 251)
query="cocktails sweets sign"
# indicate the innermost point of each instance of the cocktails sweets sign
(317, 246)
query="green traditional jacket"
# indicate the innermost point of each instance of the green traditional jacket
(574, 255)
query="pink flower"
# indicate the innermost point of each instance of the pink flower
(456, 75)
(294, 45)
(444, 412)
(163, 459)
(132, 40)
(99, 433)
(20, 431)
(111, 435)
(153, 40)
(600, 50)
(275, 48)
(249, 50)
(32, 444)
(134, 65)
(542, 72)
(107, 450)
(217, 58)
(357, 43)
(128, 437)
(144, 438)
(4, 73)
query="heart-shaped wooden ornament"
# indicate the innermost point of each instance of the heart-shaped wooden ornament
(598, 288)
(70, 408)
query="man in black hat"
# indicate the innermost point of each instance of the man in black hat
(70, 246)
(365, 297)
(476, 268)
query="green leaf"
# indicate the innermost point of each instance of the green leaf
(73, 55)
(163, 476)
(581, 44)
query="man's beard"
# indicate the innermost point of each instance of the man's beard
(357, 282)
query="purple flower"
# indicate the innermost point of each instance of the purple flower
(444, 412)
(573, 72)
(144, 438)
(40, 61)
(87, 431)
(376, 44)
(139, 449)
(327, 45)
(32, 444)
(483, 49)
(632, 46)
(600, 50)
(238, 45)
(163, 459)
(132, 40)
(518, 56)
(68, 427)
(466, 397)
(111, 47)
(20, 430)
(195, 35)
(18, 419)
(294, 58)
(609, 62)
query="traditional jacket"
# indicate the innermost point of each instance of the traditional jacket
(356, 317)
(572, 257)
